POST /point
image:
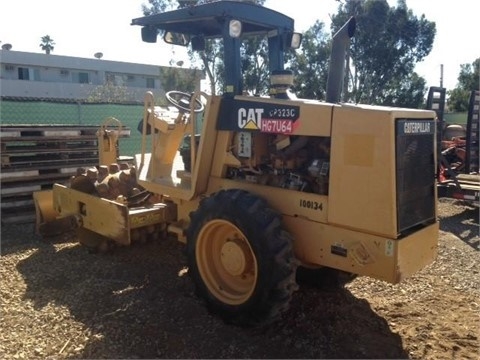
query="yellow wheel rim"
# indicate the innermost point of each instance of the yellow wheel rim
(226, 262)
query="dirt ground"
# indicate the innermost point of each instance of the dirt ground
(59, 301)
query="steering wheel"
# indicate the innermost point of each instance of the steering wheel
(182, 101)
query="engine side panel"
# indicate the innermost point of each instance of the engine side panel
(362, 177)
(380, 176)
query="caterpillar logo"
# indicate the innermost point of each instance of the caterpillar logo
(415, 127)
(250, 119)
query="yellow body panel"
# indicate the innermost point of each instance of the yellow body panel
(360, 253)
(103, 216)
(309, 206)
(362, 181)
(362, 174)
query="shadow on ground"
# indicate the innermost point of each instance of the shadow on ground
(141, 308)
(464, 224)
(22, 237)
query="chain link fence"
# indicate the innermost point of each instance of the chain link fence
(28, 112)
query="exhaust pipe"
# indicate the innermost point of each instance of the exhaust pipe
(340, 44)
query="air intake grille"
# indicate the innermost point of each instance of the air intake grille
(415, 173)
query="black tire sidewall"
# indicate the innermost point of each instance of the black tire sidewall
(262, 230)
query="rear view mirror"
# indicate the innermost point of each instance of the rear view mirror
(176, 38)
(149, 34)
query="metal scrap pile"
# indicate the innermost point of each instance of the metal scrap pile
(454, 150)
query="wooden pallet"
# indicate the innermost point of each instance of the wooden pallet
(34, 157)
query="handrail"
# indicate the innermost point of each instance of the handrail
(147, 105)
(193, 122)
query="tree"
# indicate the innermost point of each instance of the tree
(47, 44)
(468, 80)
(157, 6)
(389, 41)
(210, 60)
(310, 65)
(178, 79)
(254, 53)
(111, 94)
(408, 91)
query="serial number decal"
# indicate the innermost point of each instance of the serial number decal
(309, 204)
(282, 113)
(277, 126)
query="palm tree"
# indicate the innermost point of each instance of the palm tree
(47, 44)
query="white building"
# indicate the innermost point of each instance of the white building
(57, 77)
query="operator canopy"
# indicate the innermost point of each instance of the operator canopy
(209, 19)
(230, 21)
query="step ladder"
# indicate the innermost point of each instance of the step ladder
(436, 102)
(473, 126)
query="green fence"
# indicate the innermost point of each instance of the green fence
(45, 112)
(51, 113)
(456, 118)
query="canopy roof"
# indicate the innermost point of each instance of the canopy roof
(209, 19)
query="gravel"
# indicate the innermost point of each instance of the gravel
(58, 301)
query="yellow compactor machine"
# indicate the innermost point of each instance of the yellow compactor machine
(269, 184)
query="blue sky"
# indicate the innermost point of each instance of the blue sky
(82, 28)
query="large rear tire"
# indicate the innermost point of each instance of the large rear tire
(240, 258)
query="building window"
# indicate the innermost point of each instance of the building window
(23, 73)
(150, 83)
(120, 80)
(83, 78)
(110, 78)
(36, 74)
(116, 79)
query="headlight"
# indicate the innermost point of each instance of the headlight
(235, 28)
(296, 40)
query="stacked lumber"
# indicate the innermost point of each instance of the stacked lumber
(34, 157)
